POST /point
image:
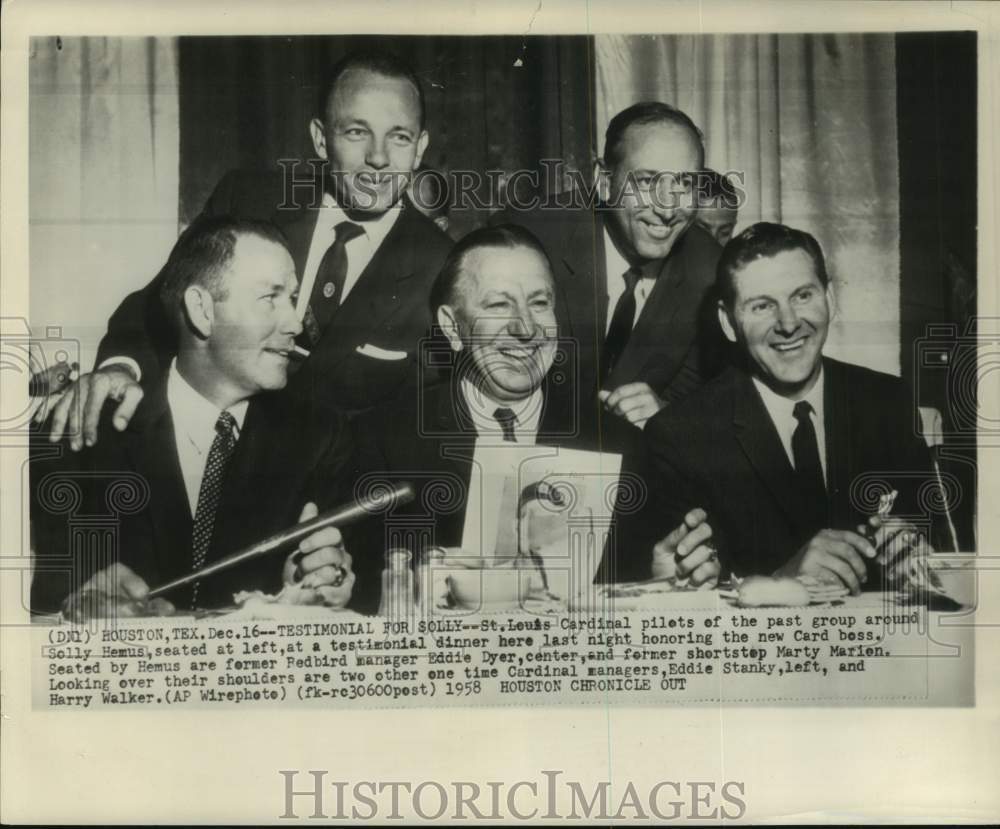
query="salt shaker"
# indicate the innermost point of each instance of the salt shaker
(397, 601)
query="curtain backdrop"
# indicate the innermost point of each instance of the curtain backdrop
(493, 103)
(103, 176)
(811, 121)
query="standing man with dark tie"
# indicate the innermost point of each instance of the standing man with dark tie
(364, 256)
(776, 459)
(633, 273)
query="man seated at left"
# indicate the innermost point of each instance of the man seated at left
(214, 459)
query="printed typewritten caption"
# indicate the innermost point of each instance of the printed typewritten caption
(866, 653)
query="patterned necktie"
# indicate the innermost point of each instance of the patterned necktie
(209, 493)
(328, 288)
(621, 321)
(506, 418)
(808, 467)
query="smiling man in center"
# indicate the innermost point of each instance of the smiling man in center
(494, 304)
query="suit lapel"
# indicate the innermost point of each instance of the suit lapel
(583, 288)
(152, 448)
(451, 451)
(264, 477)
(245, 486)
(839, 438)
(581, 300)
(450, 414)
(376, 294)
(563, 423)
(759, 440)
(651, 338)
(591, 245)
(298, 227)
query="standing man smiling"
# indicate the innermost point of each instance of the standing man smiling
(364, 257)
(634, 271)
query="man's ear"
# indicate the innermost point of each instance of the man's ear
(422, 141)
(726, 321)
(448, 323)
(199, 308)
(318, 132)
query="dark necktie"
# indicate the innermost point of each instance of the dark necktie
(328, 288)
(621, 321)
(506, 418)
(808, 467)
(209, 493)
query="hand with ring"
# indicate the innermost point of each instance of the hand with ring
(321, 563)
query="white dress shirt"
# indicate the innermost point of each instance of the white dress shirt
(527, 414)
(781, 411)
(194, 429)
(360, 249)
(615, 267)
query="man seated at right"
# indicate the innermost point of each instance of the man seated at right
(776, 459)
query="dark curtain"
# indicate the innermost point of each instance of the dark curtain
(493, 103)
(936, 108)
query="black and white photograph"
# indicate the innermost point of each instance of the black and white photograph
(415, 393)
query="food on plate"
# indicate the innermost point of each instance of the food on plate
(290, 594)
(293, 600)
(96, 604)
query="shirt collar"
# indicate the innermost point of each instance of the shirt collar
(617, 264)
(194, 415)
(376, 228)
(783, 408)
(527, 412)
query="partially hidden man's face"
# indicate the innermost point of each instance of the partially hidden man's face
(719, 221)
(372, 138)
(506, 320)
(780, 316)
(650, 189)
(254, 323)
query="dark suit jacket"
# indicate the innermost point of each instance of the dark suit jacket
(131, 482)
(387, 308)
(676, 343)
(429, 439)
(720, 450)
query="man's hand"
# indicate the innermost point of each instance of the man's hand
(687, 553)
(321, 563)
(833, 555)
(115, 591)
(636, 402)
(898, 543)
(84, 399)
